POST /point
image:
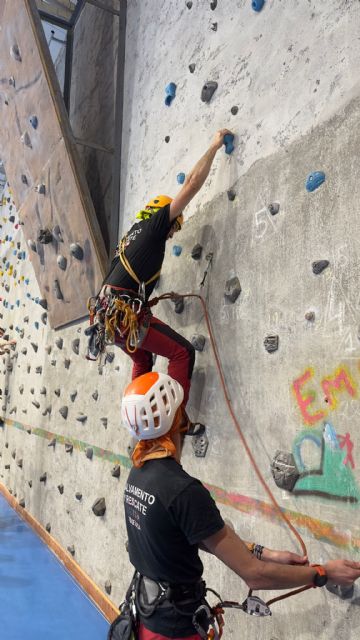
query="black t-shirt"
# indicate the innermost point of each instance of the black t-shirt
(168, 513)
(144, 250)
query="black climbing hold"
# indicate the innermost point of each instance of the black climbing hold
(34, 346)
(45, 236)
(310, 316)
(115, 472)
(319, 265)
(167, 138)
(61, 488)
(57, 290)
(76, 251)
(61, 261)
(47, 411)
(196, 252)
(198, 342)
(274, 208)
(75, 346)
(7, 466)
(38, 369)
(15, 52)
(19, 463)
(200, 445)
(48, 527)
(21, 389)
(43, 303)
(208, 90)
(344, 592)
(89, 452)
(104, 422)
(48, 349)
(234, 110)
(43, 477)
(192, 67)
(179, 305)
(196, 429)
(12, 81)
(108, 587)
(43, 318)
(69, 447)
(22, 502)
(34, 122)
(284, 470)
(271, 343)
(67, 362)
(59, 343)
(109, 357)
(57, 392)
(30, 483)
(95, 395)
(73, 395)
(81, 418)
(78, 495)
(40, 188)
(24, 179)
(231, 195)
(64, 412)
(53, 363)
(189, 4)
(43, 391)
(71, 549)
(214, 26)
(232, 289)
(13, 454)
(36, 404)
(99, 507)
(57, 233)
(52, 443)
(213, 5)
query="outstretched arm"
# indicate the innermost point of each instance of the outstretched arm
(197, 176)
(233, 552)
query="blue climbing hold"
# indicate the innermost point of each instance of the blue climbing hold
(228, 142)
(177, 249)
(257, 5)
(36, 325)
(36, 300)
(170, 91)
(34, 122)
(314, 180)
(28, 295)
(26, 280)
(18, 303)
(14, 252)
(180, 178)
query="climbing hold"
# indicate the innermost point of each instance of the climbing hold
(57, 392)
(76, 251)
(109, 357)
(43, 477)
(213, 5)
(176, 250)
(170, 92)
(192, 67)
(61, 488)
(43, 303)
(108, 587)
(314, 180)
(310, 316)
(40, 188)
(99, 507)
(198, 342)
(69, 447)
(214, 26)
(257, 5)
(274, 208)
(95, 395)
(7, 466)
(104, 422)
(34, 122)
(344, 592)
(59, 343)
(43, 319)
(43, 391)
(200, 445)
(45, 236)
(21, 389)
(78, 495)
(61, 261)
(180, 178)
(81, 418)
(232, 289)
(64, 412)
(57, 290)
(36, 404)
(228, 142)
(115, 472)
(24, 179)
(284, 470)
(196, 252)
(73, 395)
(30, 483)
(271, 343)
(22, 502)
(13, 454)
(189, 4)
(231, 195)
(25, 139)
(52, 443)
(89, 452)
(47, 411)
(15, 52)
(75, 346)
(234, 110)
(319, 266)
(57, 233)
(71, 549)
(12, 81)
(38, 369)
(48, 527)
(208, 90)
(167, 138)
(19, 463)
(31, 245)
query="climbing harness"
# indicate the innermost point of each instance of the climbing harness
(125, 626)
(127, 266)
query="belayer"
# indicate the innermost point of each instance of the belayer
(120, 314)
(171, 515)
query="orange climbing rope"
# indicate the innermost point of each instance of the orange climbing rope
(173, 296)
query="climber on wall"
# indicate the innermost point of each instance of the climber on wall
(170, 515)
(121, 307)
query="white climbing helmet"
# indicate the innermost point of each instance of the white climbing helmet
(149, 405)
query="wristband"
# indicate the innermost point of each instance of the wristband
(320, 578)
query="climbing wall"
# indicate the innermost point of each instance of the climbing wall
(50, 191)
(271, 244)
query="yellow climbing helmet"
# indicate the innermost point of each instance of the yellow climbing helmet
(154, 205)
(158, 202)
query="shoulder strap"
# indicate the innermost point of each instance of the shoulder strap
(127, 266)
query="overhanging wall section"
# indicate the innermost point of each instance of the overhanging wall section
(43, 168)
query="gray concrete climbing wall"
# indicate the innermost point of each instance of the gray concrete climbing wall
(289, 343)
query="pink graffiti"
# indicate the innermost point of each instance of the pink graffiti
(346, 442)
